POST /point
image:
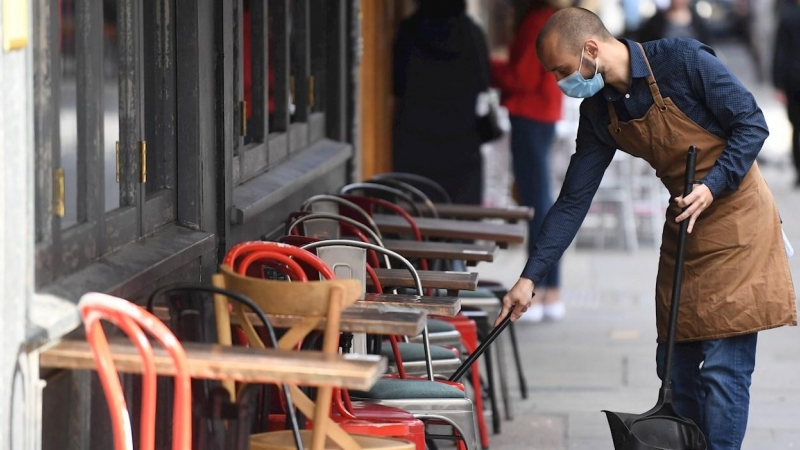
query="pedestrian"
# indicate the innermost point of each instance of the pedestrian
(786, 74)
(679, 20)
(441, 64)
(533, 100)
(654, 100)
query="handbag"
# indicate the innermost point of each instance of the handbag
(490, 121)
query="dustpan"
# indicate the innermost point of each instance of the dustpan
(661, 428)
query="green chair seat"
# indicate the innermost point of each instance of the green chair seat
(411, 352)
(440, 326)
(397, 389)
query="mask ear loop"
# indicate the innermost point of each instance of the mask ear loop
(580, 64)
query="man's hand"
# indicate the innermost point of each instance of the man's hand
(695, 203)
(519, 297)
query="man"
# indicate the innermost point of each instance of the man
(654, 100)
(786, 73)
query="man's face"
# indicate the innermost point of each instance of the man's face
(561, 62)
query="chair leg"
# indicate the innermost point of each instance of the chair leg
(477, 387)
(487, 357)
(499, 347)
(523, 385)
(484, 328)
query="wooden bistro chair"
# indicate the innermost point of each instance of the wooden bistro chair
(316, 301)
(353, 417)
(134, 321)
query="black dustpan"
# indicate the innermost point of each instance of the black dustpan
(662, 428)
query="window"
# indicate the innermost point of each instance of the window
(105, 158)
(305, 72)
(280, 74)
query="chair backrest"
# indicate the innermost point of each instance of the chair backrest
(325, 203)
(134, 321)
(413, 191)
(328, 226)
(434, 190)
(347, 262)
(391, 194)
(306, 259)
(314, 300)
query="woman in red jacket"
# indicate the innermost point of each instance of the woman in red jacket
(533, 99)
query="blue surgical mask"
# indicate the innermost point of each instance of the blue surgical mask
(574, 85)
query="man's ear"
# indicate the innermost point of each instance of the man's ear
(591, 47)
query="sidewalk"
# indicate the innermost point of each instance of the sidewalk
(603, 355)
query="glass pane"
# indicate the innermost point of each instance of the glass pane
(318, 37)
(159, 88)
(271, 10)
(110, 102)
(68, 119)
(247, 67)
(293, 61)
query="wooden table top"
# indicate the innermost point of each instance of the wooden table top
(360, 318)
(217, 362)
(436, 306)
(502, 233)
(442, 250)
(434, 279)
(477, 212)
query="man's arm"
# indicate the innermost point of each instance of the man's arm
(562, 222)
(736, 111)
(585, 171)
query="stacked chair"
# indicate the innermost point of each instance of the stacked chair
(488, 293)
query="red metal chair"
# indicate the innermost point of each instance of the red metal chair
(131, 319)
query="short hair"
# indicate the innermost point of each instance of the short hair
(573, 26)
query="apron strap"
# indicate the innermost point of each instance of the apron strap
(651, 81)
(654, 91)
(612, 113)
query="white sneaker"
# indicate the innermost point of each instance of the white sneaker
(534, 314)
(554, 312)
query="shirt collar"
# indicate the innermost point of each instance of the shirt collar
(638, 63)
(638, 69)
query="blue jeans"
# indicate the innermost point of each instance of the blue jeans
(530, 148)
(711, 386)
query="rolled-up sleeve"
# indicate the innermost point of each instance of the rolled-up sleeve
(736, 110)
(561, 224)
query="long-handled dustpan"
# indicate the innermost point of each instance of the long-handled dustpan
(662, 428)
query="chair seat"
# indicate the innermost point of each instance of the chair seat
(283, 440)
(439, 326)
(411, 351)
(396, 389)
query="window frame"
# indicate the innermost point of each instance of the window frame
(63, 252)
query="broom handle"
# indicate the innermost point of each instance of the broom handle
(691, 159)
(466, 365)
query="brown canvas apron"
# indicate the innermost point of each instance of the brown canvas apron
(736, 277)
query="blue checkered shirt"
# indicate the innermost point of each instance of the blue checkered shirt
(699, 84)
